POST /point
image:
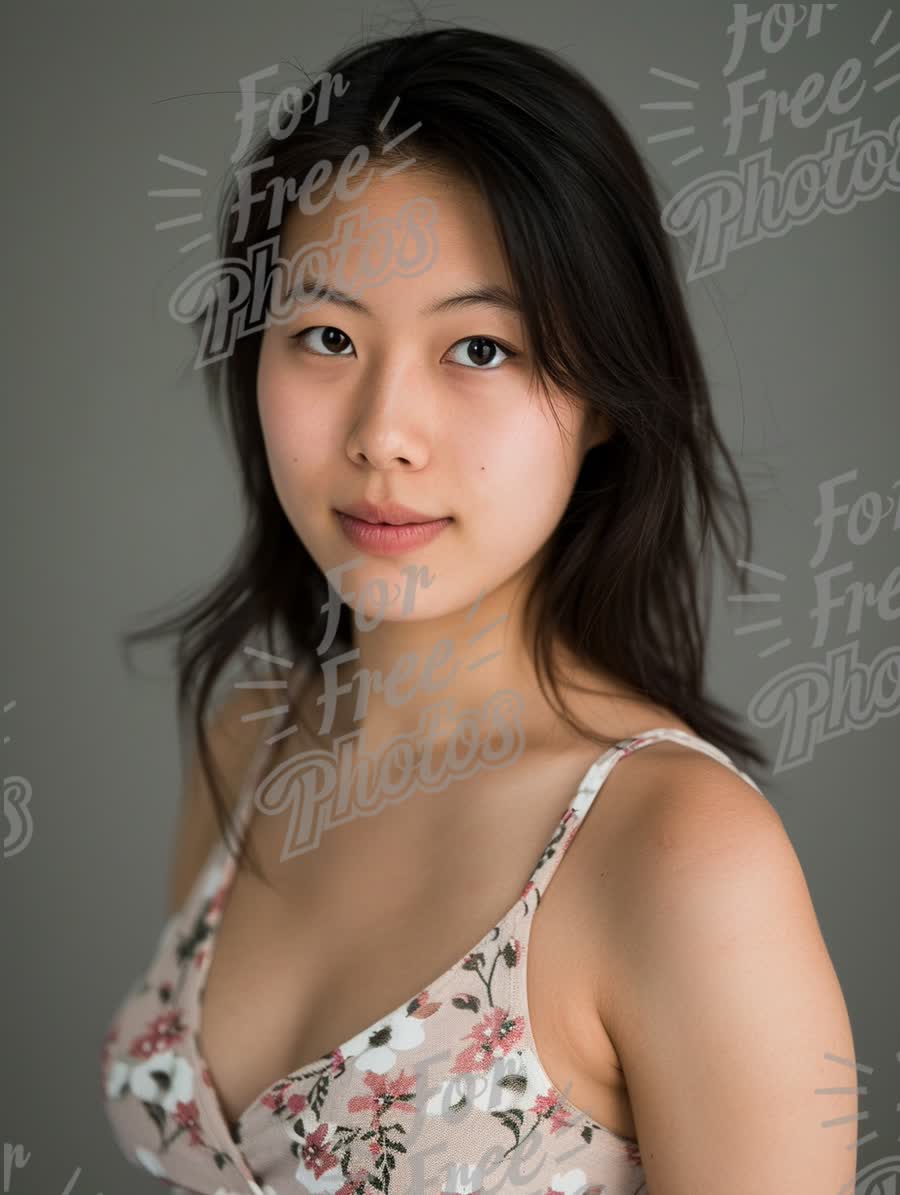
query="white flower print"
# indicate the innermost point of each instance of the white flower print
(117, 1079)
(460, 1187)
(176, 1087)
(573, 1182)
(150, 1161)
(376, 1048)
(330, 1182)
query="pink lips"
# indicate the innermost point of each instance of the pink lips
(386, 539)
(386, 512)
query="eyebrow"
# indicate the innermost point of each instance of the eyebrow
(482, 296)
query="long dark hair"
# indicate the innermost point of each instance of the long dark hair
(606, 323)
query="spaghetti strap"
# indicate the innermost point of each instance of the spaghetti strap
(594, 779)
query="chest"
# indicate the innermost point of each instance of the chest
(342, 935)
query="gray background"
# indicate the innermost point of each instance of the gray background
(120, 495)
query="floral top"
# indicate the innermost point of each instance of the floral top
(445, 1095)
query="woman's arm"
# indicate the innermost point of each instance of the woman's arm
(724, 1002)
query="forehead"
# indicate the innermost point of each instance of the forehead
(460, 220)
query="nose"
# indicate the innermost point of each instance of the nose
(390, 421)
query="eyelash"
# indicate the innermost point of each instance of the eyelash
(509, 353)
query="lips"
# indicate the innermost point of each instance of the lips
(391, 513)
(390, 539)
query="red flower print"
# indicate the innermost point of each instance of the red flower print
(524, 893)
(337, 1060)
(384, 1093)
(207, 1077)
(188, 1116)
(544, 1105)
(161, 1033)
(277, 1098)
(561, 1119)
(215, 905)
(496, 1035)
(633, 1154)
(315, 1155)
(273, 1099)
(548, 1107)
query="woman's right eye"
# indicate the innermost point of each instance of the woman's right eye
(333, 339)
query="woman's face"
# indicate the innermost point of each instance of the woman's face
(430, 410)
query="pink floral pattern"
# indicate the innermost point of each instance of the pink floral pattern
(439, 1096)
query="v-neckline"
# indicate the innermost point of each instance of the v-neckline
(224, 889)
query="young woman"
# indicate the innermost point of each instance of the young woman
(477, 450)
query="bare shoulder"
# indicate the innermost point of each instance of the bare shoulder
(680, 814)
(717, 973)
(689, 805)
(233, 734)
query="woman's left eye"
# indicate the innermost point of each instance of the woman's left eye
(482, 354)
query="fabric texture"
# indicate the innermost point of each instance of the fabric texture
(444, 1095)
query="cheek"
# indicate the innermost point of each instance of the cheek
(525, 458)
(276, 400)
(295, 429)
(515, 482)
